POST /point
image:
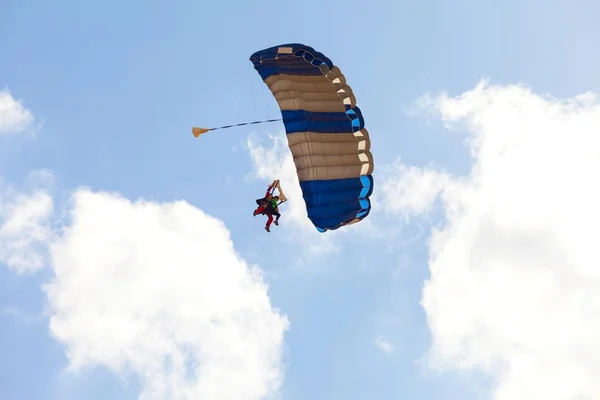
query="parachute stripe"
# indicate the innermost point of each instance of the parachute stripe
(325, 131)
(331, 204)
(312, 93)
(322, 122)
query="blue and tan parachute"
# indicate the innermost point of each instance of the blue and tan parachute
(325, 131)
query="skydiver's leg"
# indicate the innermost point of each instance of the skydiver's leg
(268, 227)
(277, 219)
(259, 210)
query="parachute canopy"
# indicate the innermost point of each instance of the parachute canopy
(325, 131)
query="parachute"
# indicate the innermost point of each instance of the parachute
(325, 130)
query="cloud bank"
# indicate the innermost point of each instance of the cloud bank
(156, 289)
(515, 284)
(160, 290)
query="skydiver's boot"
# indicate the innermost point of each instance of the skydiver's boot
(276, 222)
(267, 229)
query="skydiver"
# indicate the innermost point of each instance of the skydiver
(268, 205)
(271, 210)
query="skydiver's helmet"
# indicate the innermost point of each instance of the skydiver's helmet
(276, 198)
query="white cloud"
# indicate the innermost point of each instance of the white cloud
(415, 192)
(384, 345)
(515, 277)
(13, 116)
(159, 289)
(25, 226)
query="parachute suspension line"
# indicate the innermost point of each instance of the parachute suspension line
(199, 131)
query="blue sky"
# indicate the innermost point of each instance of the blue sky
(115, 88)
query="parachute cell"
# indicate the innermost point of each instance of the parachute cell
(325, 132)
